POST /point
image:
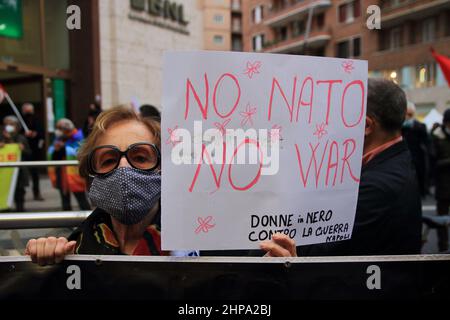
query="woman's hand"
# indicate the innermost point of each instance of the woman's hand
(280, 246)
(44, 251)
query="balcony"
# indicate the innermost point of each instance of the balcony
(236, 6)
(290, 13)
(411, 10)
(408, 55)
(297, 43)
(236, 28)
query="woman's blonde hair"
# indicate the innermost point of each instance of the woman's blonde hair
(104, 121)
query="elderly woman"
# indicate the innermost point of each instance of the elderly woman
(66, 179)
(122, 156)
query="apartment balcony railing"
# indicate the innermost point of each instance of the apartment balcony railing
(236, 6)
(395, 58)
(317, 38)
(236, 28)
(411, 10)
(286, 14)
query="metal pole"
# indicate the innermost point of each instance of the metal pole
(25, 164)
(16, 111)
(36, 220)
(308, 28)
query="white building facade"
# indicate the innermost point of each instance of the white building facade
(134, 34)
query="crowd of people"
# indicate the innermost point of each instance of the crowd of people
(119, 155)
(430, 153)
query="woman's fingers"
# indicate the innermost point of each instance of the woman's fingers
(41, 259)
(49, 250)
(60, 249)
(70, 247)
(274, 250)
(31, 250)
(279, 246)
(44, 251)
(285, 242)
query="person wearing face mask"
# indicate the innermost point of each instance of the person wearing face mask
(416, 137)
(11, 134)
(35, 137)
(441, 155)
(121, 158)
(66, 179)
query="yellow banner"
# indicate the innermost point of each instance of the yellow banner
(9, 153)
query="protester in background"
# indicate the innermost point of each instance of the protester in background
(11, 134)
(67, 179)
(149, 111)
(94, 112)
(122, 155)
(441, 155)
(416, 137)
(35, 137)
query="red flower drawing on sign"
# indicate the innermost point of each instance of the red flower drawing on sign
(248, 115)
(173, 139)
(320, 130)
(204, 224)
(222, 126)
(252, 68)
(348, 66)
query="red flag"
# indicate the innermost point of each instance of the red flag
(444, 62)
(2, 93)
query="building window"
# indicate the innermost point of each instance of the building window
(320, 20)
(282, 33)
(394, 3)
(356, 47)
(236, 5)
(349, 11)
(425, 75)
(257, 14)
(428, 30)
(343, 49)
(258, 42)
(342, 13)
(395, 38)
(447, 28)
(349, 48)
(236, 26)
(218, 18)
(298, 27)
(237, 44)
(218, 39)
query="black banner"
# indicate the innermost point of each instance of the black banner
(222, 279)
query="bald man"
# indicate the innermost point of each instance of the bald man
(416, 137)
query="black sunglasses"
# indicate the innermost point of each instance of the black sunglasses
(104, 159)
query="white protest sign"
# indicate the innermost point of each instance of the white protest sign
(254, 144)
